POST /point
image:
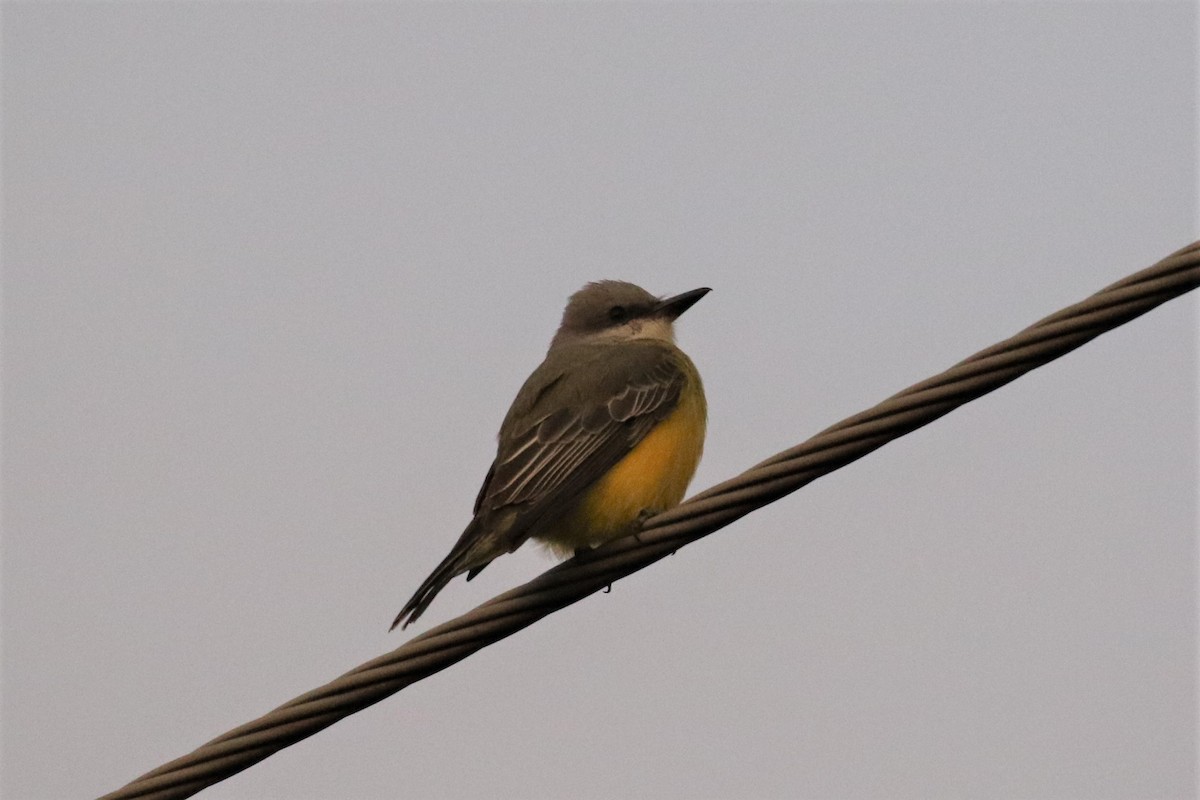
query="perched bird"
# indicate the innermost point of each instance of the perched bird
(607, 431)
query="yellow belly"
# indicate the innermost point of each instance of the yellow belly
(651, 478)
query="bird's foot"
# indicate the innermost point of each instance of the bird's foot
(642, 516)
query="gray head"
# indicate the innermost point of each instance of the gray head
(618, 311)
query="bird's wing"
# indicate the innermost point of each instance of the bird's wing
(578, 427)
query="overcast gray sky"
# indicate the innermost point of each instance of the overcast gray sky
(272, 274)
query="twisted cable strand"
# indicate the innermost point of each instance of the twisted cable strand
(662, 535)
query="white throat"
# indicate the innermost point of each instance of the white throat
(656, 328)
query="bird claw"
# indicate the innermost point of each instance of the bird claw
(642, 516)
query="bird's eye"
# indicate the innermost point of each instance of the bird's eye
(617, 314)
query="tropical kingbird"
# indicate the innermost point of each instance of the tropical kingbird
(607, 431)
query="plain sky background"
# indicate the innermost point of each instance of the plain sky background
(272, 274)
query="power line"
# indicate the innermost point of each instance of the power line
(665, 533)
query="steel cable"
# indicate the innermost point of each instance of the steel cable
(665, 533)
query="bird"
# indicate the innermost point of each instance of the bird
(606, 432)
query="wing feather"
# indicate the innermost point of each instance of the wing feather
(592, 421)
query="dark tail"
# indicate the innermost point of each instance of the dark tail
(464, 557)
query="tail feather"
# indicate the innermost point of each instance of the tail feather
(464, 557)
(424, 596)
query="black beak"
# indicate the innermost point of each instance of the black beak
(672, 307)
